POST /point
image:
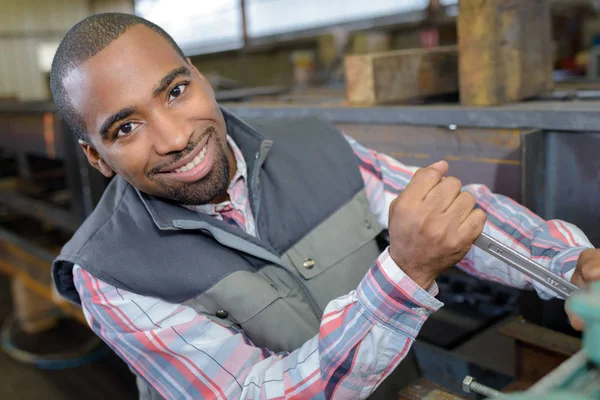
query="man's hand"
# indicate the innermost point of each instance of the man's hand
(586, 271)
(432, 224)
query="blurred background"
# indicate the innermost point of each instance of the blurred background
(507, 91)
(268, 42)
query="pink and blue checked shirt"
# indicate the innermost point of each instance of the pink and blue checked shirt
(363, 335)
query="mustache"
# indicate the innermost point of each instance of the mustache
(187, 150)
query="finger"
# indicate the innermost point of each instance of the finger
(441, 166)
(424, 180)
(578, 279)
(461, 207)
(577, 323)
(443, 194)
(472, 226)
(588, 268)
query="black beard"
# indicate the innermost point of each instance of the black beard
(206, 189)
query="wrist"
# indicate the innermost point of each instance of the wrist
(424, 281)
(422, 278)
(420, 275)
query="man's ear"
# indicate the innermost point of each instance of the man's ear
(95, 160)
(202, 77)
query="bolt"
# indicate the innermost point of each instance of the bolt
(470, 385)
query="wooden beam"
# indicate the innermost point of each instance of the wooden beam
(395, 76)
(505, 50)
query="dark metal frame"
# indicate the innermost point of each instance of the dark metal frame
(549, 115)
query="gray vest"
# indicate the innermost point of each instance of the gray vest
(316, 238)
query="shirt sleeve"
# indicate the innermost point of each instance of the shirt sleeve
(554, 244)
(363, 336)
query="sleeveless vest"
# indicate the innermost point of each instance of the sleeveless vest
(316, 239)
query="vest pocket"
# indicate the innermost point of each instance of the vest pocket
(340, 235)
(241, 295)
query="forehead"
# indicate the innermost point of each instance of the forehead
(121, 75)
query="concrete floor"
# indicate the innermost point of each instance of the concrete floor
(106, 379)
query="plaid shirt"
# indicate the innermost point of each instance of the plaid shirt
(363, 335)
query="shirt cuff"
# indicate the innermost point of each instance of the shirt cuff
(564, 263)
(394, 299)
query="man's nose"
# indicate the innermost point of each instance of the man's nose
(172, 133)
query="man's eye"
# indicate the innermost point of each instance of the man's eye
(177, 91)
(126, 128)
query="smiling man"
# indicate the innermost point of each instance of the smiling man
(232, 259)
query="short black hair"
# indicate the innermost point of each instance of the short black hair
(83, 41)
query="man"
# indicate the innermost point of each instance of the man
(238, 260)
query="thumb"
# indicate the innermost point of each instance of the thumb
(441, 166)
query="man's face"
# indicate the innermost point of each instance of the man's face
(152, 118)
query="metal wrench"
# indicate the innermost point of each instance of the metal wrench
(535, 271)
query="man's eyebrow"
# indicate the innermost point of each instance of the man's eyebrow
(116, 117)
(170, 77)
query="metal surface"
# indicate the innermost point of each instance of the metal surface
(580, 116)
(41, 210)
(470, 385)
(560, 180)
(485, 156)
(246, 93)
(551, 115)
(448, 369)
(550, 280)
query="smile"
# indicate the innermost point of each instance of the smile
(195, 162)
(195, 166)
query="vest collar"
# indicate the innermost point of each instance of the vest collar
(168, 215)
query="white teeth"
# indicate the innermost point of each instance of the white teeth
(197, 160)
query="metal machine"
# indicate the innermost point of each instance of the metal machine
(578, 378)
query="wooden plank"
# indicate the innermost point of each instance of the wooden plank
(394, 76)
(505, 50)
(539, 351)
(543, 338)
(424, 389)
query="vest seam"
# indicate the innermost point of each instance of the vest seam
(80, 261)
(84, 245)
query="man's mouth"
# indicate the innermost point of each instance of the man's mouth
(197, 160)
(195, 165)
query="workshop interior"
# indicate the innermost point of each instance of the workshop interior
(506, 91)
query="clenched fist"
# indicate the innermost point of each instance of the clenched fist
(432, 224)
